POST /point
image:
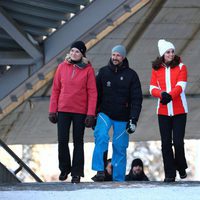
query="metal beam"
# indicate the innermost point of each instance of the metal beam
(15, 58)
(12, 78)
(11, 28)
(36, 30)
(34, 11)
(4, 35)
(76, 2)
(34, 20)
(57, 6)
(81, 23)
(8, 43)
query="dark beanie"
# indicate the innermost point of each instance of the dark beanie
(137, 162)
(80, 46)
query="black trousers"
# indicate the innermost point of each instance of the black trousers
(172, 131)
(64, 122)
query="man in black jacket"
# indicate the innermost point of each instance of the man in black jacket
(136, 172)
(119, 106)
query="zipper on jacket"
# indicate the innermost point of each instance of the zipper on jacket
(73, 72)
(168, 89)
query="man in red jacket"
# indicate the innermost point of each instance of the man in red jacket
(168, 83)
(73, 100)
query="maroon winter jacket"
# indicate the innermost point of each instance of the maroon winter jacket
(74, 89)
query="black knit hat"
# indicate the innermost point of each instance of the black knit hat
(137, 162)
(80, 46)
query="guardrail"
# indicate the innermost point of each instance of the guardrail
(20, 162)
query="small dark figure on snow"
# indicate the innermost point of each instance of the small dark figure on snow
(137, 171)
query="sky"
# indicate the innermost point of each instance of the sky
(150, 192)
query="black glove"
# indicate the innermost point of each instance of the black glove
(89, 121)
(95, 123)
(53, 118)
(131, 126)
(166, 98)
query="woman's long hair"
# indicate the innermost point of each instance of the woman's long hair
(156, 64)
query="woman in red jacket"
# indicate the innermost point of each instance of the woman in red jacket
(73, 100)
(168, 83)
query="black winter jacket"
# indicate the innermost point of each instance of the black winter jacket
(119, 92)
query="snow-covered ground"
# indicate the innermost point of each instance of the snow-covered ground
(104, 192)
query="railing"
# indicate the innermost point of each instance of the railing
(20, 162)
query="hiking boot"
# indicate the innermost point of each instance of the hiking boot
(63, 176)
(99, 177)
(169, 180)
(182, 174)
(76, 179)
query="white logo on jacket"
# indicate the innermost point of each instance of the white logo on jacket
(108, 84)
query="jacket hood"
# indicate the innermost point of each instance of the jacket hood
(158, 62)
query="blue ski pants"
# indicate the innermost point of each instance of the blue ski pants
(119, 145)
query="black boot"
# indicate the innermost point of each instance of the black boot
(169, 180)
(63, 176)
(76, 179)
(99, 177)
(182, 174)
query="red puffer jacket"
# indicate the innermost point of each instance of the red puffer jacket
(172, 80)
(74, 89)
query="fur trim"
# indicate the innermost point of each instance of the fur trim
(68, 58)
(156, 64)
(84, 59)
